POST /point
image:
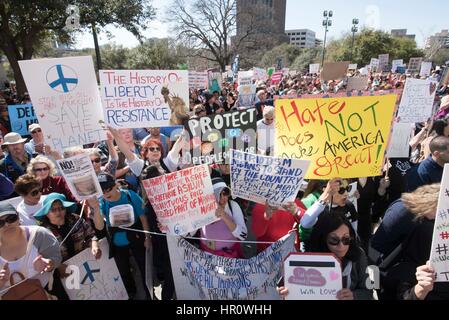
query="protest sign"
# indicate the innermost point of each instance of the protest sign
(374, 65)
(276, 78)
(444, 77)
(66, 100)
(247, 95)
(439, 256)
(344, 137)
(214, 136)
(264, 179)
(353, 66)
(314, 68)
(198, 80)
(334, 70)
(426, 68)
(351, 195)
(97, 279)
(414, 65)
(270, 71)
(401, 69)
(215, 81)
(400, 140)
(135, 99)
(285, 72)
(20, 117)
(245, 78)
(357, 83)
(395, 64)
(417, 101)
(184, 201)
(198, 275)
(260, 74)
(384, 60)
(312, 276)
(80, 176)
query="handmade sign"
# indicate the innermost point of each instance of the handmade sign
(426, 68)
(66, 100)
(351, 194)
(334, 70)
(270, 71)
(439, 256)
(20, 117)
(215, 79)
(198, 80)
(417, 101)
(400, 140)
(312, 276)
(374, 65)
(314, 68)
(264, 179)
(184, 201)
(199, 275)
(343, 137)
(395, 64)
(247, 95)
(260, 74)
(352, 66)
(80, 176)
(414, 65)
(214, 136)
(94, 279)
(276, 78)
(144, 98)
(383, 62)
(357, 83)
(245, 78)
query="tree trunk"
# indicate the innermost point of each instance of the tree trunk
(14, 56)
(97, 48)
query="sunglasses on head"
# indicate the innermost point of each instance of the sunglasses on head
(10, 218)
(96, 160)
(41, 169)
(35, 192)
(335, 241)
(342, 190)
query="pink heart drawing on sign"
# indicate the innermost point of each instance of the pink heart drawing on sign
(334, 275)
(309, 278)
(432, 87)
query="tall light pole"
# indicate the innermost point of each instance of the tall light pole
(355, 29)
(326, 24)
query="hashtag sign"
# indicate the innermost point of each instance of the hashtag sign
(444, 235)
(443, 215)
(442, 249)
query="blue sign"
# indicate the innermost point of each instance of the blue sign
(62, 78)
(20, 117)
(400, 70)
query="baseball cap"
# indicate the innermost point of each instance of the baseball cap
(7, 209)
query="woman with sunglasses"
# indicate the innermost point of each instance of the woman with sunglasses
(44, 170)
(74, 234)
(333, 233)
(31, 251)
(30, 189)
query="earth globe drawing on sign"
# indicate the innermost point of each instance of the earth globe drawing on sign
(62, 78)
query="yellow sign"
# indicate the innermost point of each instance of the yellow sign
(344, 137)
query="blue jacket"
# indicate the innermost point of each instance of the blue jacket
(11, 169)
(428, 172)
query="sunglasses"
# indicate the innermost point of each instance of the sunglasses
(10, 218)
(154, 149)
(335, 241)
(96, 160)
(342, 190)
(41, 169)
(226, 192)
(35, 192)
(37, 131)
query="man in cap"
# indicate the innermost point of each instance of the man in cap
(17, 160)
(36, 145)
(5, 125)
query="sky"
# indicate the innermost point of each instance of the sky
(422, 18)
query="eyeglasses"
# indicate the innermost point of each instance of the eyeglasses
(96, 160)
(154, 149)
(57, 209)
(41, 169)
(10, 218)
(36, 131)
(35, 192)
(335, 241)
(342, 190)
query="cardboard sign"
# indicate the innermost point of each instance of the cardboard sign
(214, 136)
(400, 140)
(395, 64)
(184, 201)
(439, 256)
(66, 100)
(417, 101)
(198, 80)
(260, 179)
(343, 137)
(80, 176)
(334, 70)
(312, 276)
(20, 117)
(98, 279)
(426, 68)
(357, 83)
(314, 68)
(414, 65)
(199, 275)
(135, 98)
(383, 62)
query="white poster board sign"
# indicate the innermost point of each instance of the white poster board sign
(400, 140)
(426, 68)
(260, 178)
(396, 63)
(80, 176)
(312, 276)
(383, 62)
(314, 68)
(439, 256)
(417, 101)
(98, 279)
(351, 195)
(198, 275)
(184, 201)
(374, 64)
(66, 100)
(135, 98)
(198, 80)
(353, 66)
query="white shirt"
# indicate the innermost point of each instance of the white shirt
(26, 212)
(265, 136)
